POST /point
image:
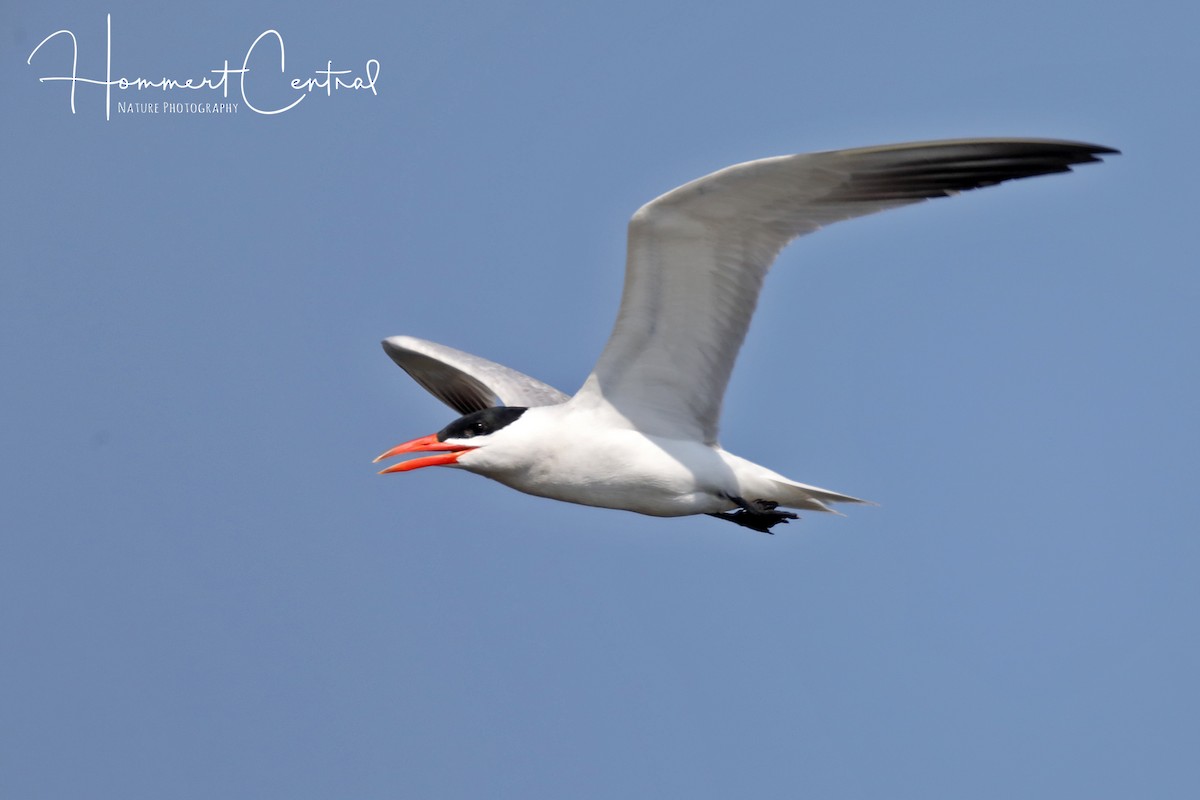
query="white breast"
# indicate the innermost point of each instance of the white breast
(565, 454)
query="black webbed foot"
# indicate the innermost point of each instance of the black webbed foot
(759, 515)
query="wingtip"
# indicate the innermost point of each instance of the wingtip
(1096, 153)
(393, 343)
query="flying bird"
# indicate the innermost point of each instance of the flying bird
(641, 433)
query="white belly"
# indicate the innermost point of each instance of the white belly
(621, 469)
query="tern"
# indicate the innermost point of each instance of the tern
(641, 433)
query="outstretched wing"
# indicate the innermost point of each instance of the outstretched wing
(465, 382)
(698, 254)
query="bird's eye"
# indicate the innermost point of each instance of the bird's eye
(480, 423)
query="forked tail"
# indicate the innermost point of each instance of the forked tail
(810, 498)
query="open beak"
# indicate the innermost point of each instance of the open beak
(447, 454)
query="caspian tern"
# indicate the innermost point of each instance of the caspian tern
(641, 433)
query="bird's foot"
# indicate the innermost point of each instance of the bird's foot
(759, 515)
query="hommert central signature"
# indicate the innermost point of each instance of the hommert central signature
(328, 79)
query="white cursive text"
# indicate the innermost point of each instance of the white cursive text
(328, 79)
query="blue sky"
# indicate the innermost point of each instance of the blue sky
(206, 591)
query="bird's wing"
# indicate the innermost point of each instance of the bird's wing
(465, 382)
(698, 254)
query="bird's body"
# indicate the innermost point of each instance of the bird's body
(641, 433)
(618, 466)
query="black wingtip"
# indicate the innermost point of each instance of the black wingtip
(935, 169)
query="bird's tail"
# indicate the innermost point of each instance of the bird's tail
(811, 498)
(756, 482)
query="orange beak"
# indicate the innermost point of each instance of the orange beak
(447, 454)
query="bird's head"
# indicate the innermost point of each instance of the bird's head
(471, 432)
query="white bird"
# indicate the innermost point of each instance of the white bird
(641, 433)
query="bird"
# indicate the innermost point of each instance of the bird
(641, 433)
